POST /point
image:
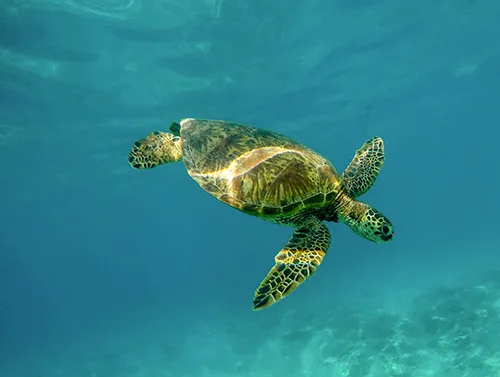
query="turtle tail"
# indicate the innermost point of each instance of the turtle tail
(175, 128)
(155, 149)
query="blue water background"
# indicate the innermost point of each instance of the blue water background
(107, 271)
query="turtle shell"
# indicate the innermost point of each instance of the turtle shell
(256, 171)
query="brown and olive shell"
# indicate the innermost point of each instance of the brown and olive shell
(259, 172)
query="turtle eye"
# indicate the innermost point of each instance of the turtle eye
(385, 229)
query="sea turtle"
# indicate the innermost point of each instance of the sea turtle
(271, 176)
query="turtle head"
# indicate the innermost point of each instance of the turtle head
(367, 222)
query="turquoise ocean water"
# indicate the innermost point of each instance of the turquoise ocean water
(110, 272)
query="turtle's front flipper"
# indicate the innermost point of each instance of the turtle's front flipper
(361, 173)
(155, 149)
(298, 260)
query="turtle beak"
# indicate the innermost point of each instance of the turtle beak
(387, 237)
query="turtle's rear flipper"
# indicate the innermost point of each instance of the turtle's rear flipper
(361, 173)
(297, 261)
(155, 149)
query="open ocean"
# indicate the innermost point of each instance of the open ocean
(106, 271)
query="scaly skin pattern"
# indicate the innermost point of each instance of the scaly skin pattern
(296, 262)
(155, 149)
(364, 168)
